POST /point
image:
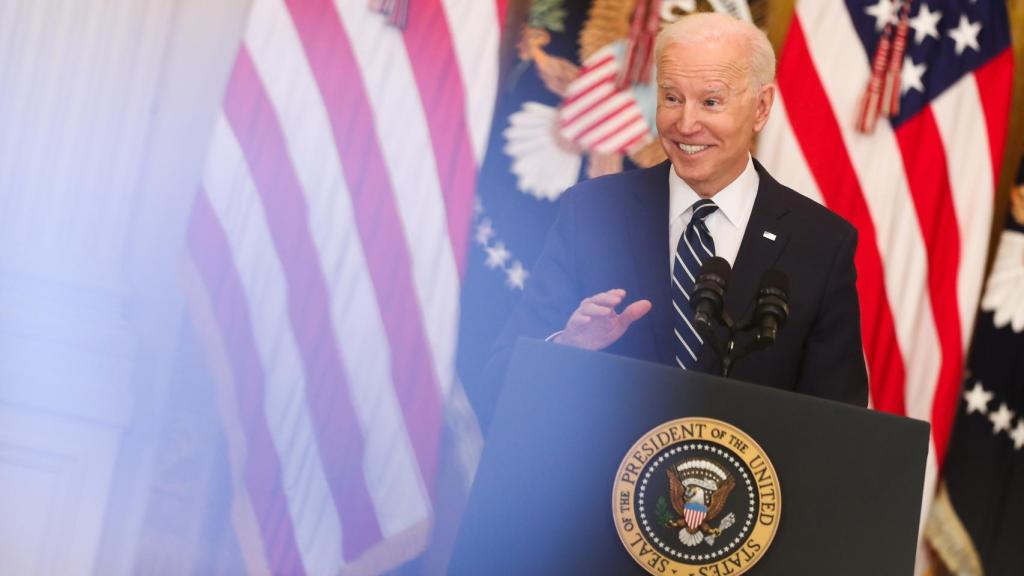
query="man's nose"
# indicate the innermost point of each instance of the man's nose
(689, 121)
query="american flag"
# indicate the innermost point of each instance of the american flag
(920, 188)
(599, 116)
(326, 250)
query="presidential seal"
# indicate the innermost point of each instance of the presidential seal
(696, 497)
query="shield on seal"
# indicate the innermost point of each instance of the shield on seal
(694, 514)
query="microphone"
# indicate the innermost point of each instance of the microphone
(772, 307)
(708, 298)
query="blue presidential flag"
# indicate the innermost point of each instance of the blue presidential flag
(977, 520)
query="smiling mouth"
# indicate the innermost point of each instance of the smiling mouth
(690, 149)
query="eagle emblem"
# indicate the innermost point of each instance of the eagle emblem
(685, 501)
(699, 489)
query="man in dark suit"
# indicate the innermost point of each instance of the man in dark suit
(619, 264)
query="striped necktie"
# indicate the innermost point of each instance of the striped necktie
(694, 248)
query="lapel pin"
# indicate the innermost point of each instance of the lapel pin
(769, 235)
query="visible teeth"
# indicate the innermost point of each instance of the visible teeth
(691, 149)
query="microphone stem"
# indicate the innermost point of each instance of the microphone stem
(728, 358)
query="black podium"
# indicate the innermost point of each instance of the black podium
(851, 479)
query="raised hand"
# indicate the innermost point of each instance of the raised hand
(595, 324)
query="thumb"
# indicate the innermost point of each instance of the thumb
(635, 311)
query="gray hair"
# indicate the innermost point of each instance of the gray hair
(713, 26)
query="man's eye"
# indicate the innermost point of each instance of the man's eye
(671, 99)
(712, 103)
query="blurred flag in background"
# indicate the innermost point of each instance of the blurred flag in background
(978, 516)
(509, 222)
(326, 252)
(894, 114)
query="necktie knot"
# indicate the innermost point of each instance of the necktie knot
(702, 209)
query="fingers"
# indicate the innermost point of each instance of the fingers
(611, 298)
(601, 305)
(635, 311)
(577, 320)
(595, 324)
(590, 308)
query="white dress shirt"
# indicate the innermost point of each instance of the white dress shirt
(727, 224)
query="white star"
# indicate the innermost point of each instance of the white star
(977, 399)
(925, 24)
(497, 255)
(484, 233)
(884, 13)
(966, 35)
(516, 276)
(1001, 419)
(910, 78)
(1018, 435)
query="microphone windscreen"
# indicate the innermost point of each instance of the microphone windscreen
(717, 266)
(775, 278)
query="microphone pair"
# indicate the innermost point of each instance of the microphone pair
(771, 309)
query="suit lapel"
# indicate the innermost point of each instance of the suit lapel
(756, 255)
(649, 245)
(758, 251)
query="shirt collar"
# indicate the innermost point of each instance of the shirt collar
(734, 201)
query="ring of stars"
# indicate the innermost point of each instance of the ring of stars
(735, 464)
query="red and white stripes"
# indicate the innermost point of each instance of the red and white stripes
(328, 241)
(921, 197)
(597, 114)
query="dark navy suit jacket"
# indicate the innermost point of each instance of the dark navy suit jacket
(612, 232)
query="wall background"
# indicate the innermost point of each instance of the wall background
(105, 111)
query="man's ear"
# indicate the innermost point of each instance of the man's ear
(765, 99)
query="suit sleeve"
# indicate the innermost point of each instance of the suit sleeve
(552, 294)
(834, 365)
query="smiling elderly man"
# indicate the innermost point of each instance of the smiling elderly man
(639, 237)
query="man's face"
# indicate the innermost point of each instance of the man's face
(708, 111)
